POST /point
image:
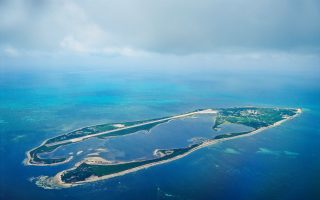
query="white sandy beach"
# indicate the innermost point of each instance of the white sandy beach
(59, 182)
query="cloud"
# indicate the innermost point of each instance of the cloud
(165, 27)
(12, 52)
(72, 44)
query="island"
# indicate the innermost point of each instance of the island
(94, 168)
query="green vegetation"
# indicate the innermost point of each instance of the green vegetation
(84, 171)
(90, 130)
(46, 148)
(249, 116)
(145, 127)
(229, 135)
(252, 116)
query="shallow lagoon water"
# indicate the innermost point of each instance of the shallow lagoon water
(37, 106)
(178, 133)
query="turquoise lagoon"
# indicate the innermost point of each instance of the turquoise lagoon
(280, 163)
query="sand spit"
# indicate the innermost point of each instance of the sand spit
(119, 125)
(28, 160)
(57, 178)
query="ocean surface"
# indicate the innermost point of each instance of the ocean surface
(280, 163)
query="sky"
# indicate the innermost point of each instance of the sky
(164, 32)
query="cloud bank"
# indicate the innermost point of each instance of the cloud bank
(137, 27)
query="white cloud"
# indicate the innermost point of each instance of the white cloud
(166, 27)
(10, 51)
(72, 44)
(123, 51)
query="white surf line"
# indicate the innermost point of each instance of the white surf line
(28, 160)
(208, 111)
(58, 181)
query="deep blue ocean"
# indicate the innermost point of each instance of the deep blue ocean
(280, 163)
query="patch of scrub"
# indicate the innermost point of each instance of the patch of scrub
(267, 151)
(231, 151)
(232, 128)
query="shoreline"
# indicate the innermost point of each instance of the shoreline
(27, 161)
(58, 181)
